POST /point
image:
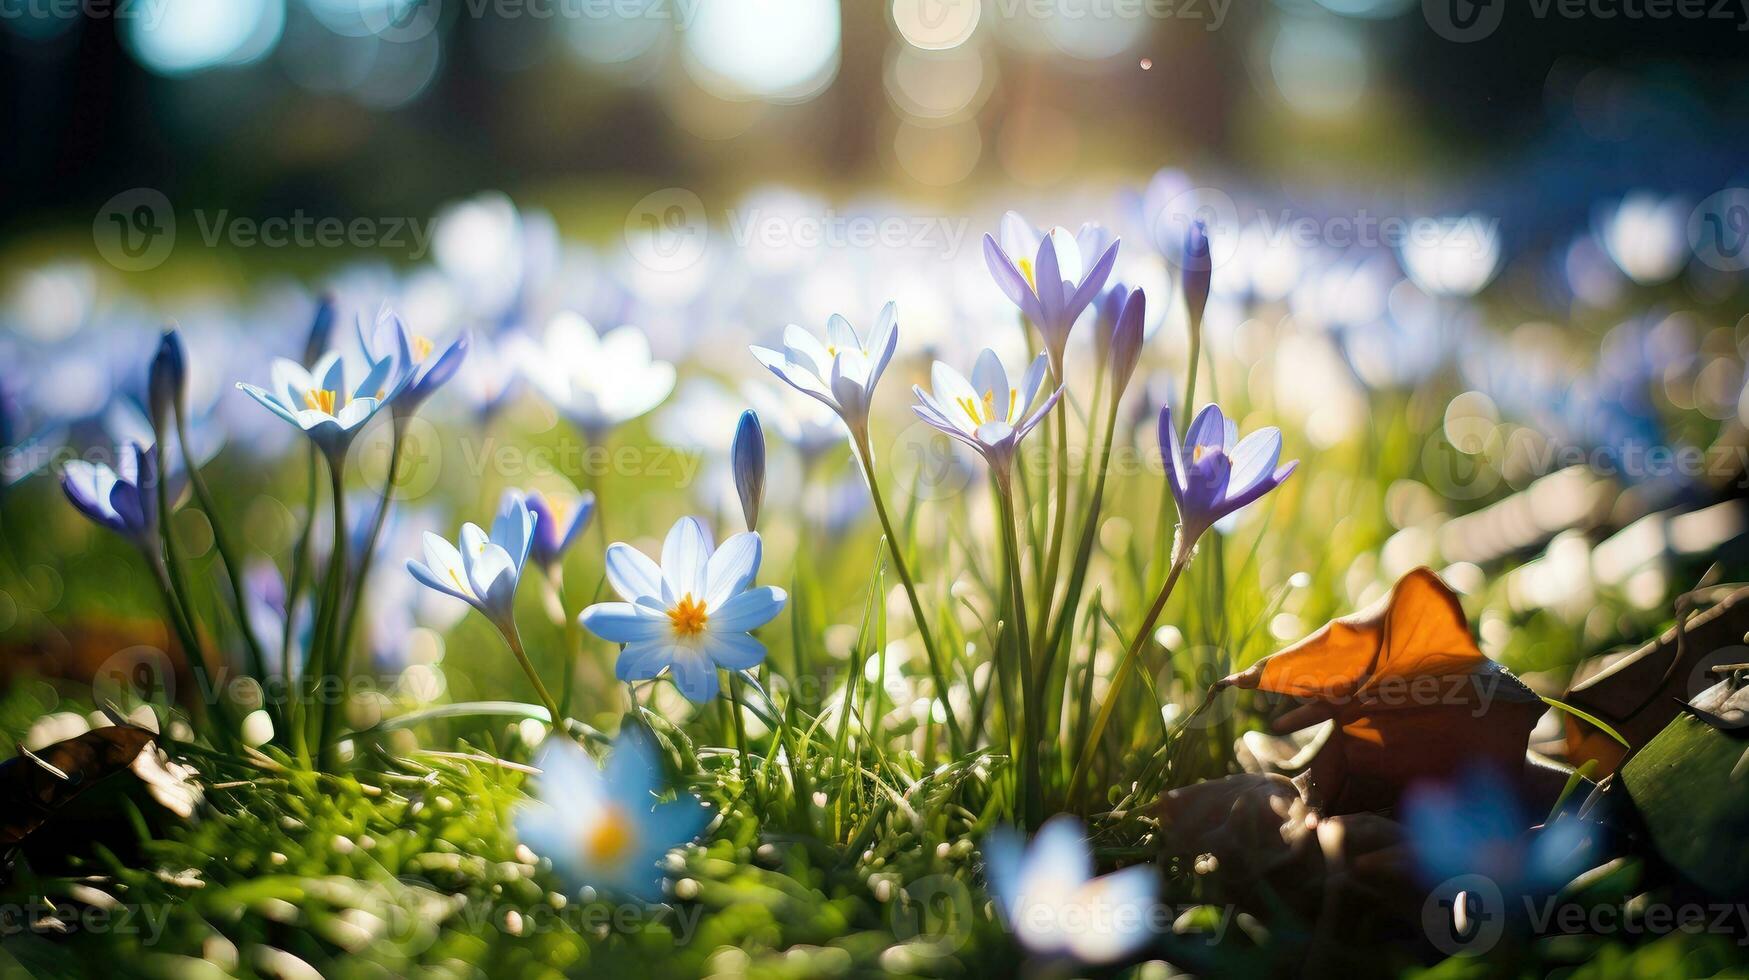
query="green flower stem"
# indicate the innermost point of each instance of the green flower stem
(173, 618)
(176, 595)
(221, 542)
(899, 565)
(514, 639)
(1031, 785)
(293, 711)
(327, 621)
(396, 443)
(1181, 559)
(1084, 551)
(1047, 580)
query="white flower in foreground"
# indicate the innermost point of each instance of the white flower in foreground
(689, 615)
(1048, 895)
(841, 373)
(596, 381)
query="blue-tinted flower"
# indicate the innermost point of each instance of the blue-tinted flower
(1105, 313)
(123, 499)
(167, 380)
(1052, 286)
(606, 830)
(1215, 473)
(843, 372)
(689, 615)
(988, 413)
(1198, 271)
(1049, 896)
(321, 330)
(747, 454)
(1126, 340)
(319, 401)
(596, 381)
(485, 570)
(559, 518)
(424, 375)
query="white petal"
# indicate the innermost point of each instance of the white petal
(686, 557)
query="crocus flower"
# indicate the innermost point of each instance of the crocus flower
(319, 401)
(424, 375)
(748, 455)
(559, 519)
(167, 381)
(1198, 272)
(1050, 898)
(988, 413)
(1216, 473)
(843, 372)
(486, 569)
(1105, 314)
(1052, 288)
(1126, 340)
(605, 829)
(689, 615)
(123, 499)
(596, 381)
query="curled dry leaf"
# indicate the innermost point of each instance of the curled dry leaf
(1412, 697)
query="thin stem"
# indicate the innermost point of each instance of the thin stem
(381, 516)
(1032, 790)
(1124, 669)
(328, 621)
(514, 639)
(294, 711)
(173, 614)
(176, 593)
(899, 565)
(221, 542)
(1047, 581)
(740, 729)
(1084, 551)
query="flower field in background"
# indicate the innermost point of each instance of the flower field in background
(1171, 595)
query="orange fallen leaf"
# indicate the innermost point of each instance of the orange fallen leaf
(1413, 698)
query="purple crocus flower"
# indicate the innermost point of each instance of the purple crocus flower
(1105, 313)
(747, 453)
(559, 519)
(989, 412)
(123, 499)
(424, 375)
(1051, 288)
(1215, 473)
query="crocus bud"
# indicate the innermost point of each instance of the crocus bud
(167, 381)
(321, 328)
(1126, 340)
(1106, 310)
(748, 454)
(1198, 269)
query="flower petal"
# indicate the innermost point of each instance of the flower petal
(747, 611)
(644, 660)
(686, 556)
(732, 568)
(734, 651)
(622, 622)
(695, 675)
(631, 572)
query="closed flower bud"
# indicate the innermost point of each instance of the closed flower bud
(321, 329)
(167, 381)
(1106, 310)
(1198, 269)
(1126, 340)
(748, 454)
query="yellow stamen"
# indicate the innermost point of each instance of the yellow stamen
(688, 616)
(321, 400)
(459, 584)
(421, 349)
(1198, 452)
(1026, 270)
(1013, 399)
(609, 841)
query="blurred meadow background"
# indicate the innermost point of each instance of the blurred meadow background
(1482, 264)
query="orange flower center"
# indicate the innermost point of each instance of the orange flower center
(609, 840)
(321, 400)
(688, 616)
